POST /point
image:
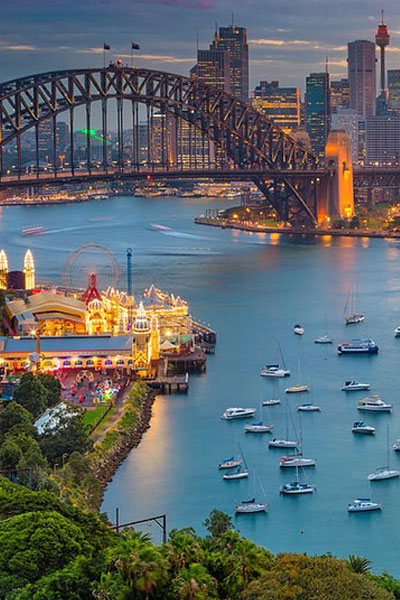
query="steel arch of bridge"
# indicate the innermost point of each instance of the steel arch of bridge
(245, 136)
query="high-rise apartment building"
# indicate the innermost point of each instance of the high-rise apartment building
(362, 76)
(213, 68)
(280, 104)
(339, 95)
(318, 111)
(382, 140)
(234, 41)
(394, 90)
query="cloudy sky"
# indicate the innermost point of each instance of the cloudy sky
(287, 38)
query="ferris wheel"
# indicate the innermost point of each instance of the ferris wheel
(89, 259)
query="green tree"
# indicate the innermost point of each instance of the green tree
(31, 394)
(70, 435)
(359, 564)
(218, 523)
(10, 455)
(34, 545)
(389, 583)
(53, 387)
(194, 583)
(13, 414)
(183, 548)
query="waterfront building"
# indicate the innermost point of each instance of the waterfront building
(3, 270)
(280, 104)
(213, 68)
(233, 40)
(163, 140)
(362, 76)
(382, 140)
(17, 280)
(318, 111)
(339, 95)
(394, 90)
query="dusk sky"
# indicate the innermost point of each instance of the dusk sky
(287, 39)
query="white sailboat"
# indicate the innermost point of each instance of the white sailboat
(324, 339)
(239, 472)
(384, 472)
(275, 370)
(297, 459)
(351, 316)
(299, 387)
(297, 488)
(259, 426)
(284, 442)
(251, 506)
(274, 401)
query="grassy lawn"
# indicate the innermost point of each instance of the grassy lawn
(91, 417)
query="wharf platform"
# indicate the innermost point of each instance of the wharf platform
(170, 383)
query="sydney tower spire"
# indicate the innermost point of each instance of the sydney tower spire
(382, 40)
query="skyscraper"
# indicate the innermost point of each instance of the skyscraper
(339, 95)
(394, 90)
(213, 68)
(280, 104)
(234, 41)
(361, 74)
(318, 111)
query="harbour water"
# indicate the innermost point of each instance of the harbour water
(251, 288)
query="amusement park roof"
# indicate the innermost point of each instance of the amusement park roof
(47, 301)
(83, 344)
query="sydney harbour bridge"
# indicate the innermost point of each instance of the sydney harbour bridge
(243, 143)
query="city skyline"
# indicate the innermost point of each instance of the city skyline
(286, 42)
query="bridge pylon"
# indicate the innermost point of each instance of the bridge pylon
(337, 197)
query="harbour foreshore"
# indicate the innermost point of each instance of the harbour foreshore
(253, 228)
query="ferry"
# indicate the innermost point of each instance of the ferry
(34, 230)
(366, 346)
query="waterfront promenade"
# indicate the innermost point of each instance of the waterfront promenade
(255, 228)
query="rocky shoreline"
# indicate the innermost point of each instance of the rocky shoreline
(105, 469)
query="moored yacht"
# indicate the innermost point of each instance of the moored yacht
(397, 332)
(238, 474)
(295, 461)
(258, 428)
(396, 446)
(308, 407)
(354, 386)
(323, 339)
(383, 473)
(363, 505)
(238, 413)
(363, 428)
(298, 329)
(230, 463)
(374, 403)
(274, 371)
(358, 346)
(297, 488)
(296, 389)
(272, 402)
(276, 443)
(250, 506)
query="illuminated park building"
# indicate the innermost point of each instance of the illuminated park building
(3, 270)
(29, 270)
(280, 104)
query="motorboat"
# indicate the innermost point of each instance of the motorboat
(396, 446)
(250, 506)
(397, 332)
(374, 403)
(157, 227)
(274, 371)
(363, 505)
(358, 346)
(354, 386)
(272, 402)
(308, 407)
(363, 428)
(230, 463)
(275, 443)
(297, 488)
(295, 461)
(383, 473)
(238, 413)
(296, 389)
(238, 474)
(33, 230)
(258, 428)
(354, 318)
(298, 329)
(324, 339)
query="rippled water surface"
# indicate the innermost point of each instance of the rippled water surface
(251, 289)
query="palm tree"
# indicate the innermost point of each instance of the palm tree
(359, 564)
(195, 583)
(183, 547)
